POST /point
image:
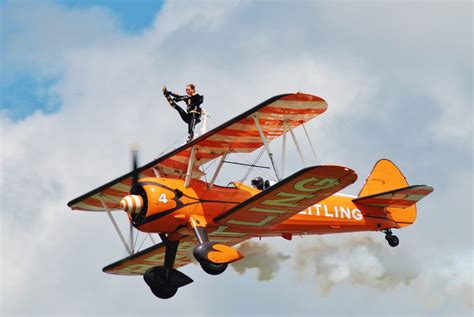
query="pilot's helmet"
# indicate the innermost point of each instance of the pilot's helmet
(257, 182)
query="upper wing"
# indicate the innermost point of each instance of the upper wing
(139, 263)
(398, 198)
(288, 197)
(239, 135)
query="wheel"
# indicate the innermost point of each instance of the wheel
(213, 268)
(392, 240)
(164, 291)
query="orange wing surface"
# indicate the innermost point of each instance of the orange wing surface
(239, 135)
(288, 197)
(398, 198)
(140, 262)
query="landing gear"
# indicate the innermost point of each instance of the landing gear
(164, 281)
(213, 257)
(213, 268)
(391, 238)
(164, 292)
(156, 279)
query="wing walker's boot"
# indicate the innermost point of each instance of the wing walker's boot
(212, 256)
(167, 95)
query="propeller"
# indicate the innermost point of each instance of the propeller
(135, 173)
(133, 203)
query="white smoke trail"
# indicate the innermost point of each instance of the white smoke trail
(260, 256)
(362, 259)
(359, 259)
(366, 260)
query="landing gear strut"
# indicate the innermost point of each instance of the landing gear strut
(201, 251)
(391, 238)
(164, 281)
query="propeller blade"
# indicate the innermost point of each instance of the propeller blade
(135, 174)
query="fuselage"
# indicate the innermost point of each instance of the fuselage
(170, 204)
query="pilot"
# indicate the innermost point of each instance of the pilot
(258, 183)
(192, 115)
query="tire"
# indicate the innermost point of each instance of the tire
(163, 291)
(213, 268)
(393, 241)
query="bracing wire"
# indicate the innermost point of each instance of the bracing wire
(260, 155)
(143, 241)
(249, 170)
(311, 143)
(135, 240)
(172, 145)
(213, 162)
(264, 172)
(255, 161)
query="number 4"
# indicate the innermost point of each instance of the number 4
(163, 199)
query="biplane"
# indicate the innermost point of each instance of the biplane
(201, 221)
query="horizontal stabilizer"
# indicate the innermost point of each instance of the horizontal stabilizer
(287, 198)
(397, 198)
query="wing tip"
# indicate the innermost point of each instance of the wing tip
(300, 96)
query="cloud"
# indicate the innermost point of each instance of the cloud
(109, 86)
(455, 122)
(452, 277)
(35, 41)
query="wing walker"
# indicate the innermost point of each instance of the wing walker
(202, 220)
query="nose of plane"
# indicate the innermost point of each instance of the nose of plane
(132, 204)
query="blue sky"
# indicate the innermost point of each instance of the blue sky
(23, 90)
(397, 77)
(134, 15)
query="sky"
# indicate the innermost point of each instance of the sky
(81, 81)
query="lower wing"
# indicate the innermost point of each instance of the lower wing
(139, 263)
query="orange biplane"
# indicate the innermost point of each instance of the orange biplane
(191, 216)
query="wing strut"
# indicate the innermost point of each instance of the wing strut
(127, 247)
(152, 239)
(218, 169)
(132, 244)
(296, 143)
(189, 172)
(156, 172)
(265, 143)
(310, 143)
(283, 152)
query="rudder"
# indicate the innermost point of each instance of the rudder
(385, 177)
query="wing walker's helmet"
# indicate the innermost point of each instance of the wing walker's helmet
(257, 182)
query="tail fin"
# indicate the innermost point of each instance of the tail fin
(387, 188)
(385, 176)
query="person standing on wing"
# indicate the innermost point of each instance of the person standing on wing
(192, 115)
